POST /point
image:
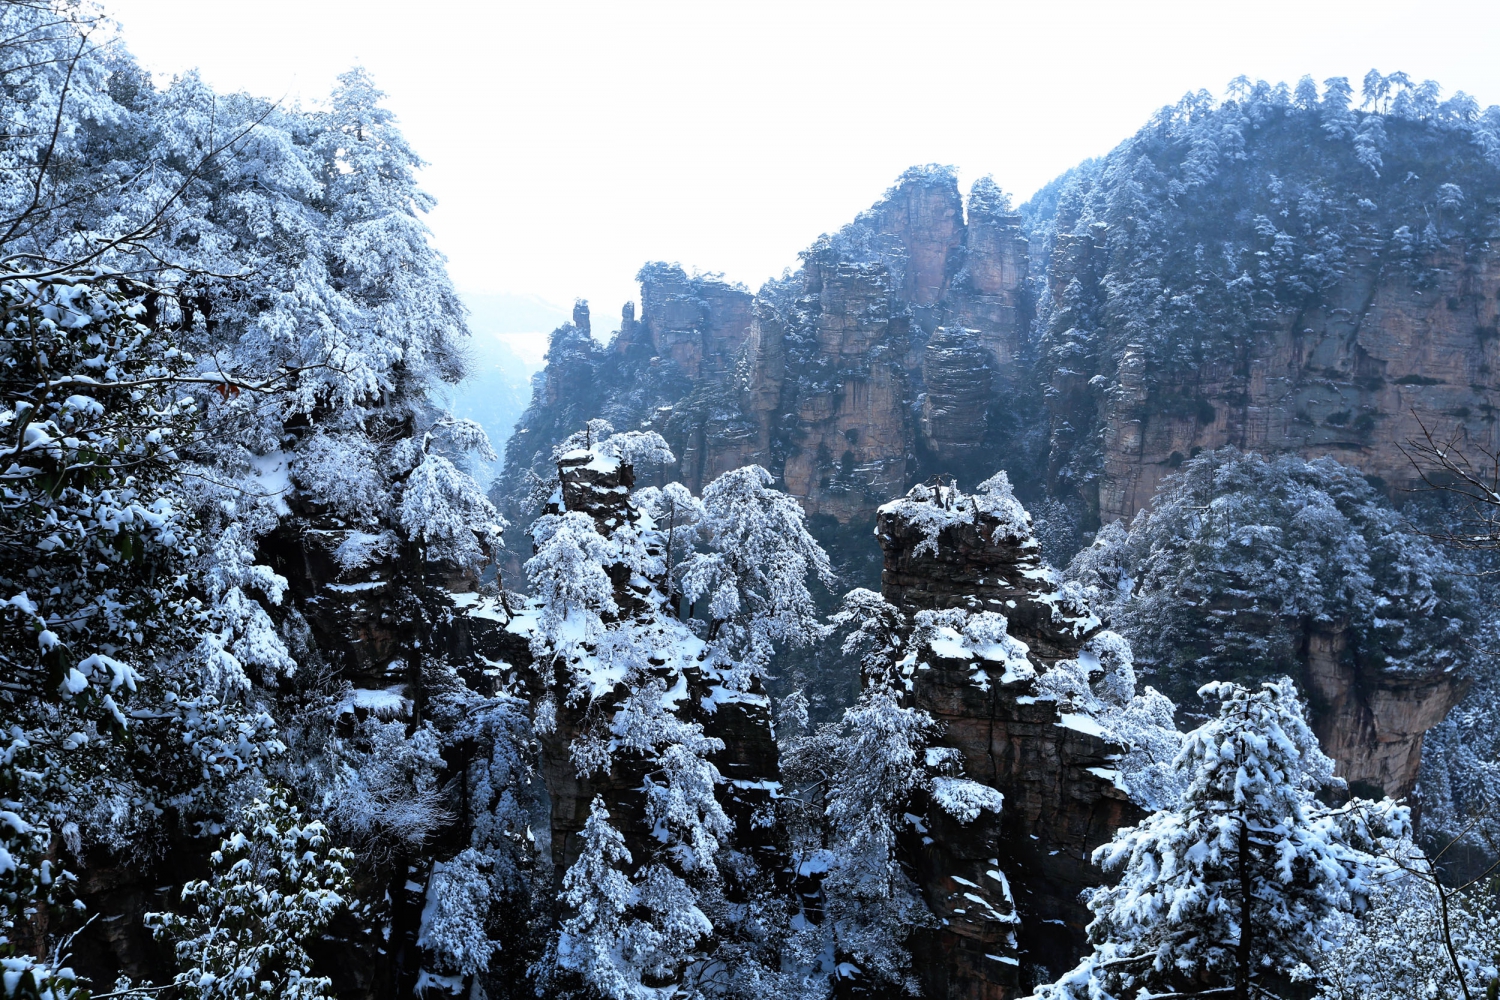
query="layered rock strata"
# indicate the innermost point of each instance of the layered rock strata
(1357, 374)
(945, 552)
(1372, 722)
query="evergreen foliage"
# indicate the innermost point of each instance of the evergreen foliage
(1240, 558)
(223, 332)
(276, 882)
(1246, 877)
(220, 315)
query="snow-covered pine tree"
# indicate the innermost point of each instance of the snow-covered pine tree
(633, 694)
(872, 906)
(751, 574)
(616, 666)
(276, 882)
(1246, 877)
(598, 894)
(1422, 936)
(1239, 557)
(270, 248)
(114, 692)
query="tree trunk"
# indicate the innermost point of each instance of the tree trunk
(1243, 952)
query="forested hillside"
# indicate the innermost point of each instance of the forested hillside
(289, 709)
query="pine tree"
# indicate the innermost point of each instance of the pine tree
(1239, 556)
(119, 688)
(752, 575)
(276, 882)
(598, 894)
(1246, 877)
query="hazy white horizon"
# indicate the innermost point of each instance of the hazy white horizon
(570, 143)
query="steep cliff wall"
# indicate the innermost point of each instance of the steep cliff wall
(836, 378)
(1372, 722)
(1355, 373)
(1056, 767)
(1251, 273)
(1274, 273)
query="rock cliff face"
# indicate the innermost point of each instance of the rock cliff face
(1355, 373)
(1247, 274)
(882, 359)
(1093, 341)
(1372, 722)
(1288, 295)
(1004, 888)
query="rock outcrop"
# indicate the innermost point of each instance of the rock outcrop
(748, 761)
(1371, 722)
(1006, 889)
(1356, 373)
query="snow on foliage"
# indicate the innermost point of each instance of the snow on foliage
(568, 577)
(460, 436)
(640, 449)
(1100, 684)
(872, 904)
(675, 511)
(753, 571)
(933, 509)
(877, 772)
(606, 581)
(963, 799)
(1246, 876)
(982, 637)
(878, 637)
(457, 906)
(275, 883)
(343, 471)
(621, 930)
(1239, 555)
(244, 635)
(1459, 781)
(446, 511)
(274, 378)
(104, 634)
(383, 790)
(1417, 939)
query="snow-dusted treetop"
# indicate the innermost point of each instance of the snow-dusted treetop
(753, 571)
(1245, 875)
(1238, 555)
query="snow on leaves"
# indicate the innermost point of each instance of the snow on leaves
(446, 511)
(1238, 555)
(1246, 875)
(276, 882)
(932, 509)
(610, 580)
(753, 571)
(452, 930)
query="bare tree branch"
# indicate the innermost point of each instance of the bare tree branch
(1455, 466)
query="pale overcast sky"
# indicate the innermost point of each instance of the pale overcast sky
(569, 142)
